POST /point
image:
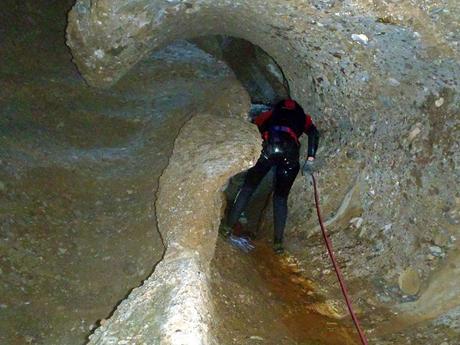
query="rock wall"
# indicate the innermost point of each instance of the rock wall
(255, 69)
(381, 81)
(173, 306)
(79, 171)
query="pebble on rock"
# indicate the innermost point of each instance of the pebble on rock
(409, 281)
(360, 38)
(393, 82)
(435, 250)
(414, 132)
(439, 102)
(256, 337)
(356, 222)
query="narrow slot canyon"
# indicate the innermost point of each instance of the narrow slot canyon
(126, 132)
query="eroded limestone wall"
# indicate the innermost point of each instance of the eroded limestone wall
(173, 306)
(79, 170)
(381, 81)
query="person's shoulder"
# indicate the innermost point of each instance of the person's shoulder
(262, 117)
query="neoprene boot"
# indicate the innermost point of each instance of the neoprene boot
(225, 230)
(278, 247)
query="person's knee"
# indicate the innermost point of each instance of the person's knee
(284, 181)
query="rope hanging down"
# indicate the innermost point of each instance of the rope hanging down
(343, 287)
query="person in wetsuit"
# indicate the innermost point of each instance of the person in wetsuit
(281, 128)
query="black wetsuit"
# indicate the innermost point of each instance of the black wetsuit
(280, 129)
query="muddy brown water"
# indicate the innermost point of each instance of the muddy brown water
(298, 294)
(264, 298)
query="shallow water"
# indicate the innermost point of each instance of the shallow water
(264, 296)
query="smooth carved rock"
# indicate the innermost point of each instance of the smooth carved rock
(364, 119)
(173, 306)
(441, 294)
(108, 37)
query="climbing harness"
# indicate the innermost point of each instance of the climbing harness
(284, 129)
(338, 272)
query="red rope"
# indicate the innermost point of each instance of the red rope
(343, 287)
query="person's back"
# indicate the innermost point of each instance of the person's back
(281, 132)
(291, 116)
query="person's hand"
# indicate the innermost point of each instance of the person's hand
(309, 166)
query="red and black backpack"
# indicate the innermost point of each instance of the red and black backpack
(287, 122)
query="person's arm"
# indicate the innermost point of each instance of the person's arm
(313, 137)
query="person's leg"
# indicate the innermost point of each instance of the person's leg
(252, 180)
(285, 175)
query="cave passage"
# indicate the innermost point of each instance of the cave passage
(86, 209)
(116, 155)
(259, 296)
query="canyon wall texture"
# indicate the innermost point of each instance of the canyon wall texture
(381, 81)
(173, 306)
(79, 171)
